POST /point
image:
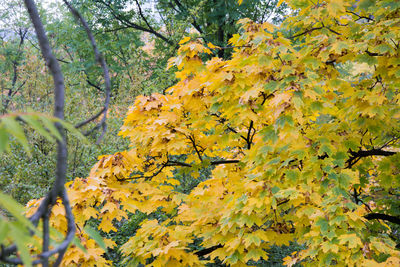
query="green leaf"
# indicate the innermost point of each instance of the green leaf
(365, 4)
(344, 179)
(15, 209)
(352, 239)
(383, 48)
(75, 132)
(265, 60)
(4, 228)
(328, 258)
(337, 220)
(298, 102)
(323, 224)
(311, 62)
(215, 107)
(32, 120)
(367, 59)
(78, 244)
(292, 175)
(51, 127)
(283, 120)
(325, 148)
(21, 238)
(3, 139)
(316, 106)
(271, 86)
(13, 128)
(351, 144)
(274, 161)
(95, 236)
(340, 158)
(269, 134)
(275, 190)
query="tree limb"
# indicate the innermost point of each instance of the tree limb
(192, 140)
(134, 25)
(356, 156)
(106, 74)
(206, 251)
(380, 216)
(95, 116)
(57, 189)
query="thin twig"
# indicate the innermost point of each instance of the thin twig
(191, 138)
(134, 25)
(79, 125)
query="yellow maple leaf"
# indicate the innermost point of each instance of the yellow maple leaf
(184, 40)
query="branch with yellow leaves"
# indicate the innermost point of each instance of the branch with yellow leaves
(174, 163)
(381, 216)
(356, 156)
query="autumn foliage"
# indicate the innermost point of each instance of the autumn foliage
(301, 134)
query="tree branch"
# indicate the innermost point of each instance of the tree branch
(380, 216)
(58, 186)
(206, 251)
(106, 74)
(372, 54)
(184, 10)
(213, 163)
(94, 85)
(81, 124)
(142, 15)
(360, 17)
(305, 32)
(191, 138)
(134, 25)
(227, 161)
(356, 156)
(249, 136)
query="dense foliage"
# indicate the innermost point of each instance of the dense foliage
(282, 138)
(300, 134)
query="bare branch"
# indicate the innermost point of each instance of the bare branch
(58, 78)
(95, 116)
(46, 238)
(103, 64)
(224, 161)
(134, 25)
(58, 186)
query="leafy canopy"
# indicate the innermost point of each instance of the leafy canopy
(301, 134)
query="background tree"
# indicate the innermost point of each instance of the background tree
(168, 20)
(13, 38)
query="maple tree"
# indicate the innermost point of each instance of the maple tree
(301, 134)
